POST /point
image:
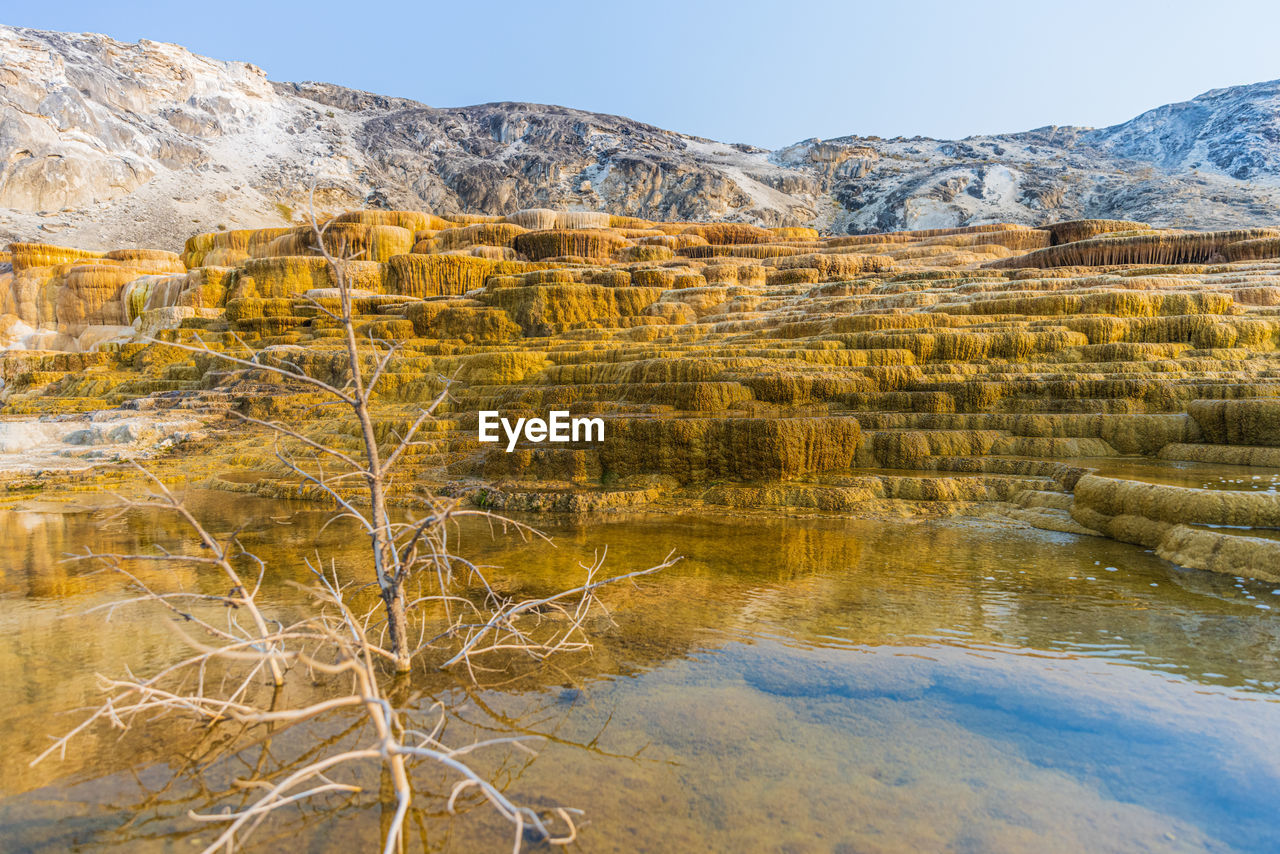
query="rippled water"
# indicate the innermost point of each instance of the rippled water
(794, 684)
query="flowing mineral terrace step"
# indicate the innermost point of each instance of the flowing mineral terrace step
(958, 370)
(1200, 528)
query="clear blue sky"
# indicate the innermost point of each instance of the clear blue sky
(764, 73)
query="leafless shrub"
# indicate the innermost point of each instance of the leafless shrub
(239, 670)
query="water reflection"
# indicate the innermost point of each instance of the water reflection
(805, 685)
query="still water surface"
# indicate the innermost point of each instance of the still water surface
(802, 685)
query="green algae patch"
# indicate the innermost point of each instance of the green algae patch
(707, 449)
(1238, 422)
(548, 309)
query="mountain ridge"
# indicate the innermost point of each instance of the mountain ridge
(111, 143)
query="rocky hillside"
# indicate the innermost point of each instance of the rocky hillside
(110, 144)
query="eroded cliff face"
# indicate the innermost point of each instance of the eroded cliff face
(105, 144)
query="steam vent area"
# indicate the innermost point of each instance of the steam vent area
(1094, 377)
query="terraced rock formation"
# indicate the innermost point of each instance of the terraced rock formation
(106, 143)
(1093, 377)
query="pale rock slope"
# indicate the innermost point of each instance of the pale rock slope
(107, 144)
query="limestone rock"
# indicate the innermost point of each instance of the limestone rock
(105, 143)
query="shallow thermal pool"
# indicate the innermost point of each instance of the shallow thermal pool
(799, 685)
(1192, 475)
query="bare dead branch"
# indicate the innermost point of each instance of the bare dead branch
(354, 658)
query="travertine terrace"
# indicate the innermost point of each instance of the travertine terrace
(984, 369)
